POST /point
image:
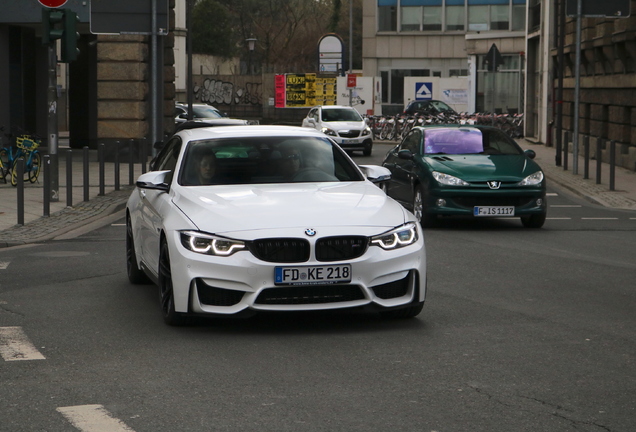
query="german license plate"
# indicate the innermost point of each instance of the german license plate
(494, 211)
(349, 141)
(312, 275)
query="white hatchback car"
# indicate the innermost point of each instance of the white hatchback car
(234, 220)
(342, 123)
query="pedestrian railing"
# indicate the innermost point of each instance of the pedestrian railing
(134, 162)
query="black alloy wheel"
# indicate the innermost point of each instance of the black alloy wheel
(170, 316)
(419, 208)
(135, 274)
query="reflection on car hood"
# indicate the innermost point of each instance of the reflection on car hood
(234, 208)
(344, 125)
(474, 168)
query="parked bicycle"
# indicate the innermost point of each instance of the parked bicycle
(26, 148)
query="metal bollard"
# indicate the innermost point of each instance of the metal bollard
(144, 156)
(131, 162)
(586, 156)
(102, 176)
(612, 167)
(599, 157)
(566, 141)
(46, 211)
(19, 167)
(116, 165)
(86, 181)
(69, 178)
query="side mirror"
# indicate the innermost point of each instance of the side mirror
(530, 153)
(376, 174)
(155, 180)
(405, 154)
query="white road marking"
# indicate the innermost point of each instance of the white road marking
(4, 265)
(566, 206)
(564, 218)
(15, 345)
(552, 194)
(600, 218)
(93, 418)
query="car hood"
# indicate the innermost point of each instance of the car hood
(240, 208)
(474, 168)
(344, 125)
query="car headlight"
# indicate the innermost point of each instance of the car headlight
(532, 179)
(210, 244)
(448, 180)
(366, 131)
(399, 237)
(328, 131)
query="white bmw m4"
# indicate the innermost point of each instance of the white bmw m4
(239, 219)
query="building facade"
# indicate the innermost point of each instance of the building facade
(450, 38)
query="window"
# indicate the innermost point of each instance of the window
(410, 18)
(387, 15)
(452, 15)
(518, 17)
(499, 16)
(455, 12)
(432, 18)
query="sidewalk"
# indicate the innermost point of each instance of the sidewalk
(64, 221)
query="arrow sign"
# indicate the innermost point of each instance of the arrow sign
(423, 91)
(494, 59)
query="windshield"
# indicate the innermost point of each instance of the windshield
(340, 114)
(257, 160)
(203, 111)
(469, 141)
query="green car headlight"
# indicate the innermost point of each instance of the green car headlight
(399, 237)
(209, 244)
(448, 180)
(532, 179)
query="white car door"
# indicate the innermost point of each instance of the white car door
(155, 203)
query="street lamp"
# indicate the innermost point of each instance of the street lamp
(251, 42)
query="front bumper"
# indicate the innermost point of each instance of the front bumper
(239, 283)
(462, 201)
(361, 143)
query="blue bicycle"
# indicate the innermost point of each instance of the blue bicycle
(25, 148)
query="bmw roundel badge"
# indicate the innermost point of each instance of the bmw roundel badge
(310, 232)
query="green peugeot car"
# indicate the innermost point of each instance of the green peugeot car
(457, 170)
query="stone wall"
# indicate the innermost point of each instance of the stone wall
(607, 100)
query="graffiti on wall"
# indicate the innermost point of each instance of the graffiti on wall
(215, 92)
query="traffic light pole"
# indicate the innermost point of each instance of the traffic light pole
(52, 128)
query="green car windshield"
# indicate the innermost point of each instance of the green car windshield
(468, 141)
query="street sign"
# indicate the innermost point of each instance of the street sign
(423, 91)
(596, 8)
(52, 3)
(494, 59)
(351, 81)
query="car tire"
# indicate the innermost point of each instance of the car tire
(534, 221)
(166, 292)
(419, 208)
(135, 274)
(367, 150)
